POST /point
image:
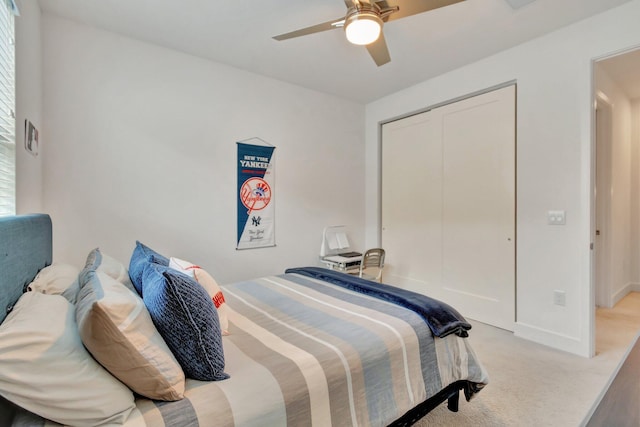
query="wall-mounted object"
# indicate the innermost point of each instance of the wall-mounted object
(256, 184)
(31, 138)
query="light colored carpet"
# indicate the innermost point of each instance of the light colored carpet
(534, 385)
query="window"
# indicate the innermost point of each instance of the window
(7, 110)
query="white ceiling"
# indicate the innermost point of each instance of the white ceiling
(238, 33)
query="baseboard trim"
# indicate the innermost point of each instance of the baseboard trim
(552, 339)
(629, 287)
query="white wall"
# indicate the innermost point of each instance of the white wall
(553, 75)
(141, 144)
(621, 195)
(635, 190)
(28, 106)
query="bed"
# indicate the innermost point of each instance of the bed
(306, 347)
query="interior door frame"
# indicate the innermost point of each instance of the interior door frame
(592, 192)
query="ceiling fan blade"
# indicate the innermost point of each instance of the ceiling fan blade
(379, 51)
(325, 26)
(412, 7)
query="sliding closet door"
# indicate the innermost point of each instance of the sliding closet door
(412, 201)
(478, 209)
(464, 184)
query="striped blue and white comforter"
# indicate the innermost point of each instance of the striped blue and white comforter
(305, 352)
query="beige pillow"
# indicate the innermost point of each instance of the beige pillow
(99, 261)
(117, 329)
(209, 284)
(45, 369)
(57, 279)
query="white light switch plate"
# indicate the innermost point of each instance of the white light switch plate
(556, 218)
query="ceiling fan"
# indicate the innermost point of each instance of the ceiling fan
(364, 20)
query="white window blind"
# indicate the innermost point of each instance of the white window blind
(7, 110)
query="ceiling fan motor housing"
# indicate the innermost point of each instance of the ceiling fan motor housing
(363, 25)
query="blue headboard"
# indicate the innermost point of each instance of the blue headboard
(25, 248)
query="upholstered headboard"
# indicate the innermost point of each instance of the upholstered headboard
(25, 248)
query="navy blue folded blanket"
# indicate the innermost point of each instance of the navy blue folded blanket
(442, 319)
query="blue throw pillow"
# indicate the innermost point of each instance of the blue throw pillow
(142, 255)
(187, 320)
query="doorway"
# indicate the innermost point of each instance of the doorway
(616, 180)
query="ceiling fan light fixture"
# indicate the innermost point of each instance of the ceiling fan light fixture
(363, 27)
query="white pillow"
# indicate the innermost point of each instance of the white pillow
(209, 284)
(117, 329)
(57, 279)
(99, 261)
(45, 369)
